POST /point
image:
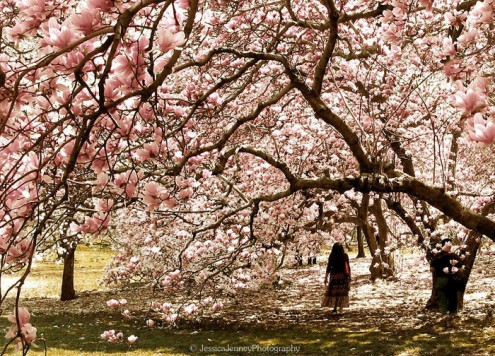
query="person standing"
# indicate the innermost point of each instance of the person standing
(339, 271)
(447, 267)
(313, 249)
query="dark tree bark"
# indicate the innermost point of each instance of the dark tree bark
(434, 196)
(432, 303)
(359, 237)
(473, 243)
(386, 266)
(68, 292)
(365, 227)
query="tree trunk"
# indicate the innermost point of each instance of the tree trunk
(68, 291)
(365, 227)
(472, 246)
(360, 242)
(383, 261)
(432, 303)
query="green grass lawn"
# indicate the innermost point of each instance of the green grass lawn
(74, 328)
(68, 336)
(46, 276)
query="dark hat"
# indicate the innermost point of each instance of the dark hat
(444, 241)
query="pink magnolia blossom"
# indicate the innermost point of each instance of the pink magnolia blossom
(170, 203)
(33, 12)
(206, 174)
(23, 315)
(28, 332)
(171, 318)
(169, 40)
(110, 336)
(132, 339)
(216, 99)
(468, 37)
(482, 12)
(449, 18)
(191, 308)
(16, 32)
(129, 181)
(399, 13)
(57, 35)
(185, 193)
(101, 5)
(480, 129)
(129, 67)
(93, 224)
(392, 33)
(113, 303)
(174, 274)
(154, 194)
(216, 306)
(448, 47)
(156, 305)
(87, 21)
(19, 253)
(453, 68)
(480, 84)
(207, 301)
(469, 101)
(104, 205)
(149, 151)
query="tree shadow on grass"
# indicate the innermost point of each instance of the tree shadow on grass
(72, 334)
(386, 318)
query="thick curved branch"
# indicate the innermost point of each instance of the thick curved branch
(282, 166)
(321, 67)
(436, 197)
(365, 15)
(327, 115)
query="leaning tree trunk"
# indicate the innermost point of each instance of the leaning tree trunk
(365, 227)
(68, 292)
(359, 236)
(371, 242)
(382, 265)
(432, 303)
(470, 253)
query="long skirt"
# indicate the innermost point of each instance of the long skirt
(337, 292)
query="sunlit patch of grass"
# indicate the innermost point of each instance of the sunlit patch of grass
(45, 278)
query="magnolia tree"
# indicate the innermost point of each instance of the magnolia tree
(231, 128)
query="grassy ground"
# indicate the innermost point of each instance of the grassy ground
(46, 276)
(384, 319)
(66, 336)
